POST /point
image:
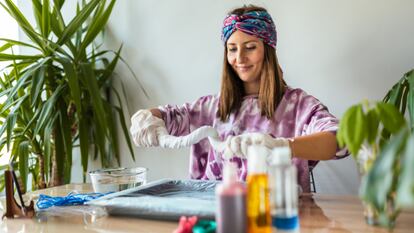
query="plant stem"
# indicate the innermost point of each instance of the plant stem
(55, 179)
(42, 183)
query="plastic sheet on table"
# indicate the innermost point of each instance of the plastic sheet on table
(163, 199)
(85, 213)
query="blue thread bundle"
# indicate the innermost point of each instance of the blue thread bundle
(46, 201)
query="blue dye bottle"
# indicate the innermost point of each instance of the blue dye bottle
(283, 191)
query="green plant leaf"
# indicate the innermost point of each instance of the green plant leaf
(23, 22)
(45, 19)
(84, 143)
(410, 98)
(9, 57)
(57, 23)
(24, 161)
(372, 122)
(390, 117)
(58, 3)
(113, 136)
(5, 47)
(355, 128)
(37, 12)
(395, 95)
(97, 25)
(15, 104)
(37, 84)
(121, 116)
(47, 139)
(11, 121)
(65, 128)
(405, 190)
(89, 78)
(125, 131)
(377, 184)
(77, 22)
(342, 133)
(111, 66)
(73, 81)
(23, 78)
(60, 155)
(48, 109)
(18, 43)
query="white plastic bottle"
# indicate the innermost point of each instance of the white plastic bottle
(283, 191)
(231, 197)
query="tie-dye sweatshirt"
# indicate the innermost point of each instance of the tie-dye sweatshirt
(297, 114)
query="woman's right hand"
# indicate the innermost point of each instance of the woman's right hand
(145, 128)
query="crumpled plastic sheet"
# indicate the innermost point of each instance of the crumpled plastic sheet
(89, 214)
(164, 200)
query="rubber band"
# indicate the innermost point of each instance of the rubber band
(46, 201)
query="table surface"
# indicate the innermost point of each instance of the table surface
(318, 213)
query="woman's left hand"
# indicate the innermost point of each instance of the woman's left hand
(236, 146)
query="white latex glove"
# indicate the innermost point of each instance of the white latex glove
(170, 141)
(145, 128)
(237, 145)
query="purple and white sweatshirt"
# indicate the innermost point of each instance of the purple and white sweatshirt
(298, 114)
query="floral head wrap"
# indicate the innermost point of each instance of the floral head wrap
(255, 23)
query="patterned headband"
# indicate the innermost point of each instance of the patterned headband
(255, 23)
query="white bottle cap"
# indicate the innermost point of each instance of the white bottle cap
(229, 172)
(280, 156)
(256, 159)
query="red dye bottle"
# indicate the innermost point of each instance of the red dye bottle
(231, 202)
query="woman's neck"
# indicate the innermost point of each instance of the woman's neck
(251, 88)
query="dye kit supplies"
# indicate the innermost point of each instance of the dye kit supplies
(283, 191)
(231, 202)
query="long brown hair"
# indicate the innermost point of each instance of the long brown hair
(272, 85)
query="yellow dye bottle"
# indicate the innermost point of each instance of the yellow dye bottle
(258, 206)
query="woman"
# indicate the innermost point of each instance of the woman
(253, 98)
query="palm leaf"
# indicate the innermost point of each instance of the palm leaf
(84, 142)
(73, 82)
(47, 109)
(67, 141)
(37, 84)
(97, 25)
(9, 57)
(19, 43)
(91, 84)
(23, 22)
(77, 22)
(24, 161)
(45, 19)
(125, 130)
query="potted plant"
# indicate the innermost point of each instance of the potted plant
(381, 140)
(61, 96)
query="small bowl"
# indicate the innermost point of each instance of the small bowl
(117, 179)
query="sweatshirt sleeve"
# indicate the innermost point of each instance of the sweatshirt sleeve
(317, 118)
(181, 120)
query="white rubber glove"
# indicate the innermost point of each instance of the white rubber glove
(148, 130)
(174, 142)
(145, 128)
(237, 146)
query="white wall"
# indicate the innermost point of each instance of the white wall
(340, 51)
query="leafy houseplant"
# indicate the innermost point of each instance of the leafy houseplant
(60, 96)
(380, 138)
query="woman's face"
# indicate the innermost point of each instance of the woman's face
(245, 53)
